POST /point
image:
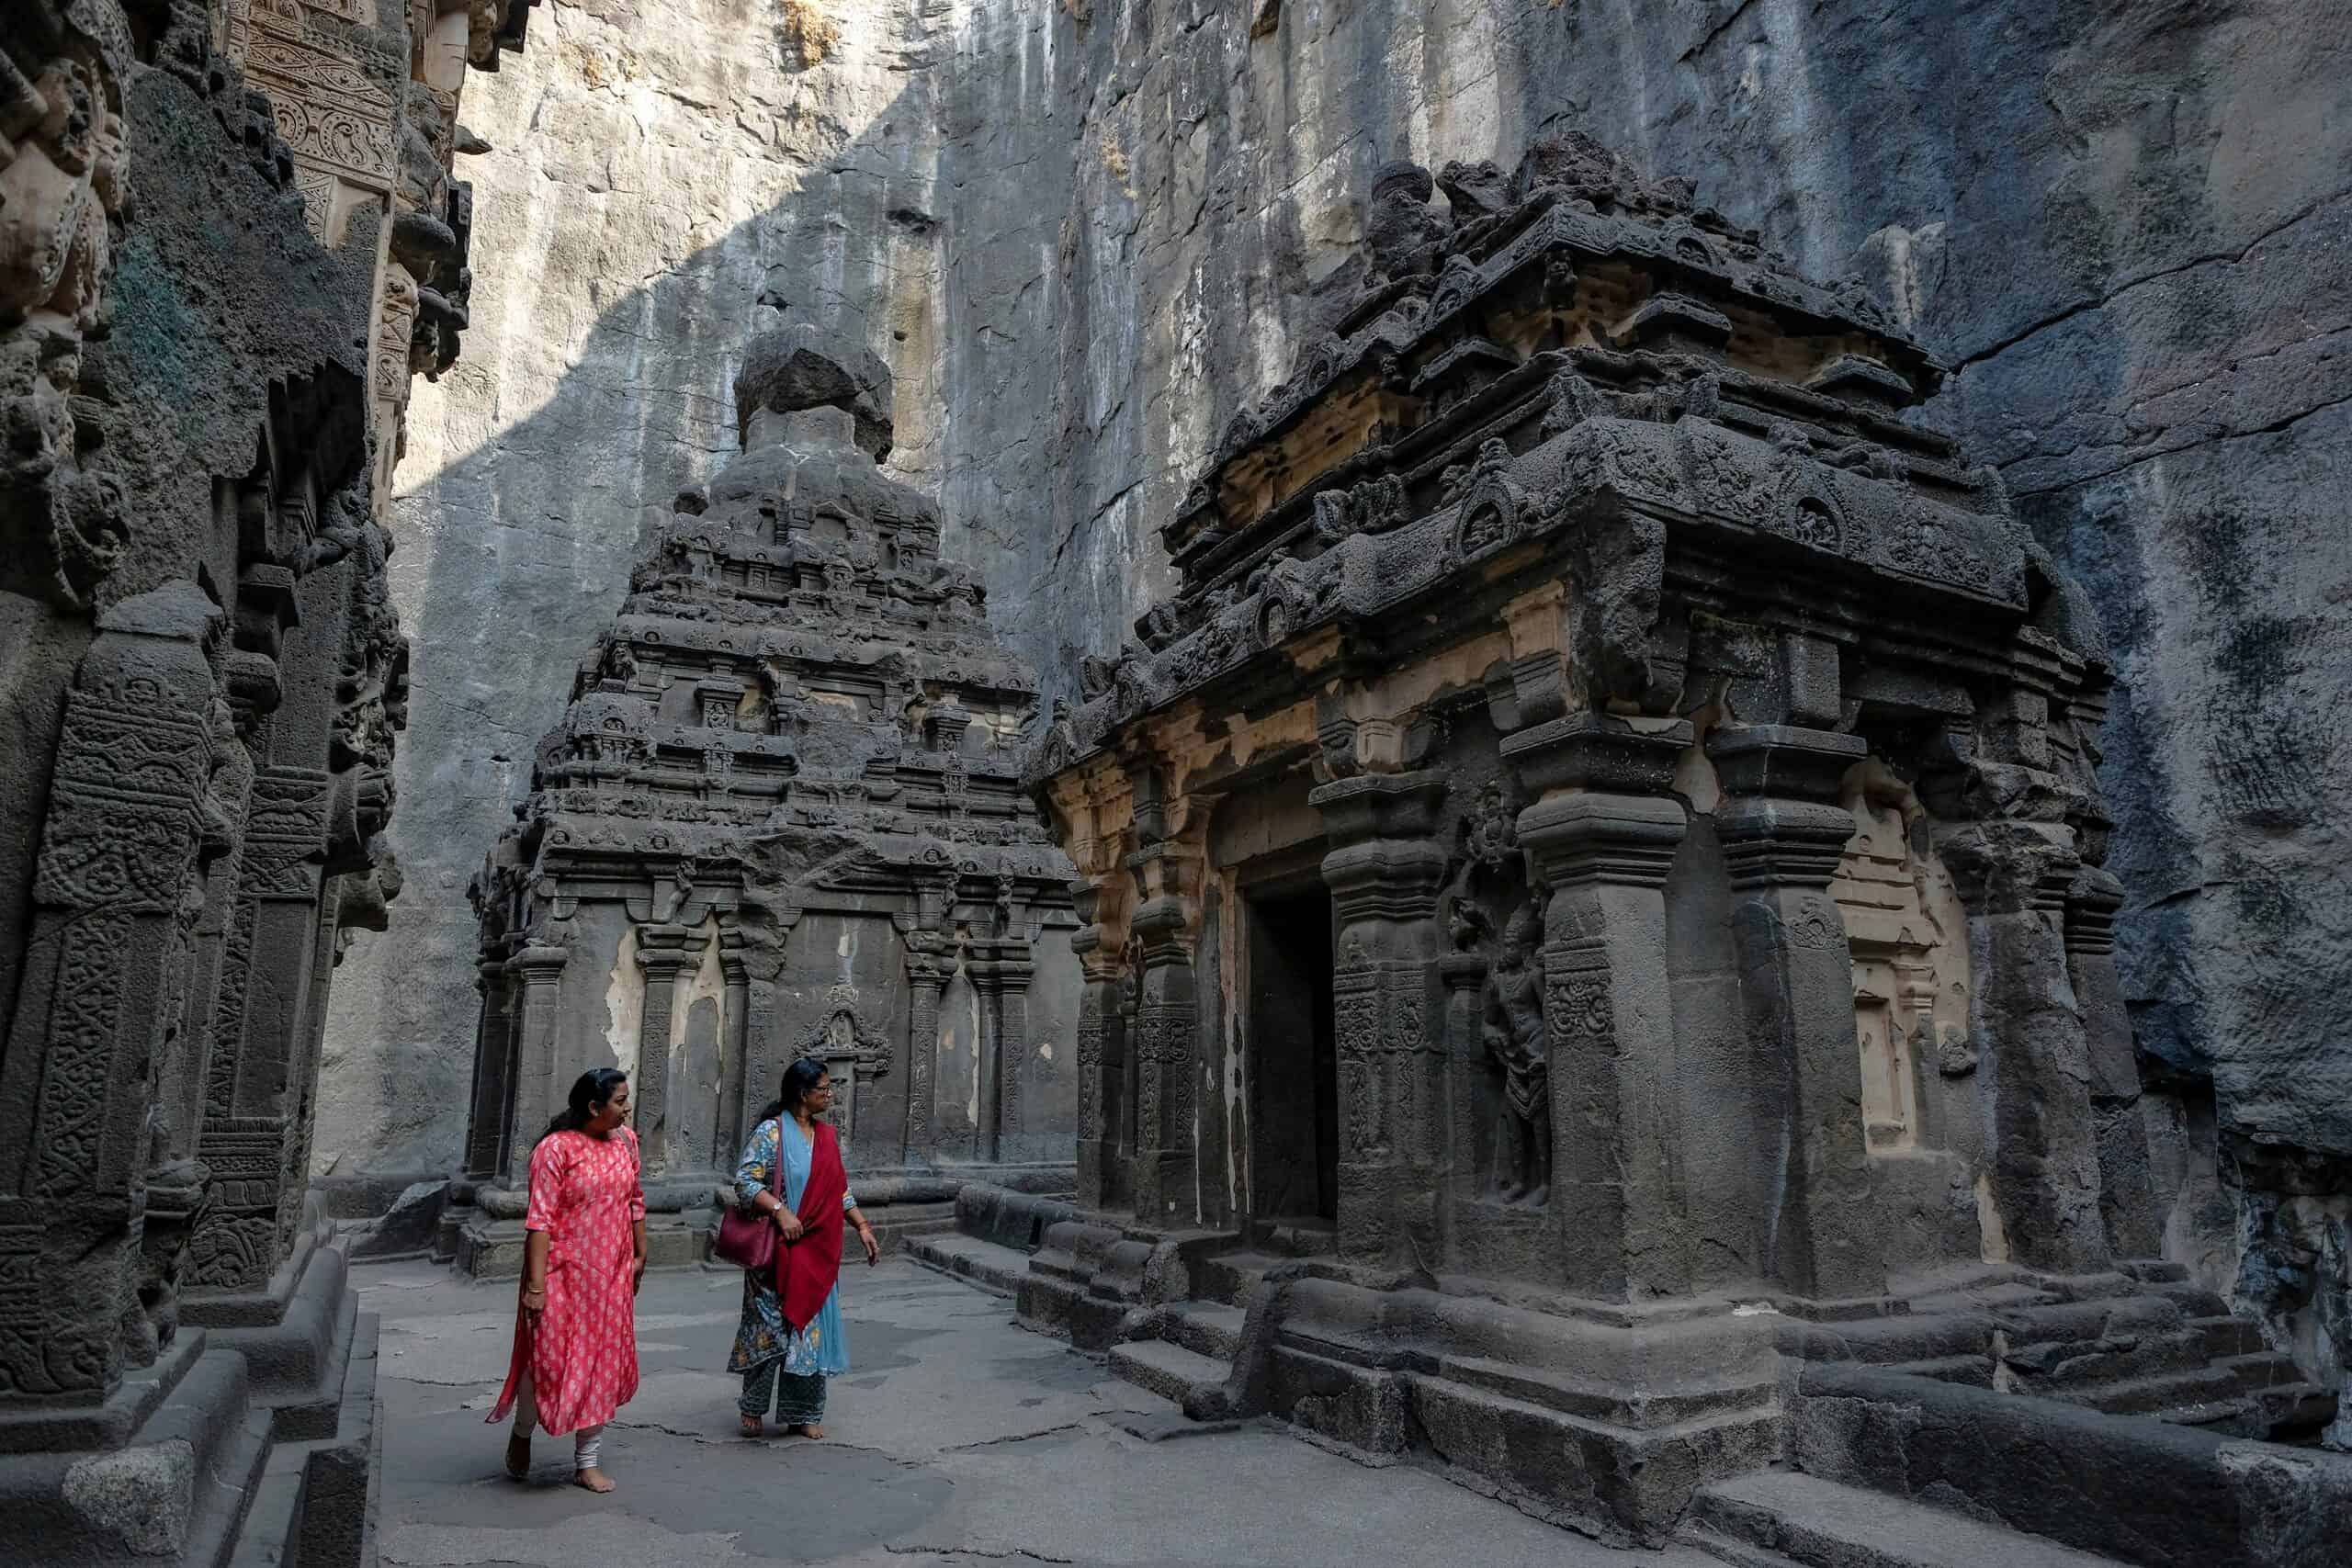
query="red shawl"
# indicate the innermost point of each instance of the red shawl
(806, 1269)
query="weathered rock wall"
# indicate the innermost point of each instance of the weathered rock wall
(1084, 231)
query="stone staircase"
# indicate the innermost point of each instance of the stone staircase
(1196, 1339)
(2162, 1348)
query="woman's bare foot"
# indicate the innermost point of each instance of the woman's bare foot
(518, 1457)
(752, 1427)
(808, 1429)
(592, 1480)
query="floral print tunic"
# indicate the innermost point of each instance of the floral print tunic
(583, 1359)
(762, 1337)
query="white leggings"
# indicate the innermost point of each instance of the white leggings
(587, 1443)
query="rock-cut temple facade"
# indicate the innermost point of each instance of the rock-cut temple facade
(782, 816)
(1595, 931)
(229, 234)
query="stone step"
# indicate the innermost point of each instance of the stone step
(2194, 1300)
(1229, 1277)
(1773, 1517)
(1207, 1328)
(967, 1257)
(1974, 1370)
(2292, 1411)
(1170, 1371)
(2263, 1368)
(1302, 1239)
(2226, 1335)
(2177, 1396)
(2052, 1366)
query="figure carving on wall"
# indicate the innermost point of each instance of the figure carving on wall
(1512, 1027)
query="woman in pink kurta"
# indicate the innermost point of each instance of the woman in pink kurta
(575, 1336)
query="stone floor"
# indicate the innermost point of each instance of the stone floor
(958, 1439)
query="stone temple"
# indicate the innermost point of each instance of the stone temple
(1586, 944)
(782, 816)
(1598, 960)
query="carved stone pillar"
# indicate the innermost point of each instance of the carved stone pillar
(1463, 976)
(735, 1104)
(493, 1069)
(662, 954)
(258, 1079)
(1383, 868)
(2128, 1207)
(1167, 1022)
(1783, 833)
(1602, 856)
(118, 853)
(538, 1021)
(927, 976)
(1102, 1045)
(2013, 874)
(1002, 978)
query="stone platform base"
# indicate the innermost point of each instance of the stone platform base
(249, 1444)
(1617, 1420)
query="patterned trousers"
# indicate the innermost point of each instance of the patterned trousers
(800, 1400)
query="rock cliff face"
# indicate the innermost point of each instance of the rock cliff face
(1084, 233)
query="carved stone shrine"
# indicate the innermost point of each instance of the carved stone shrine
(781, 818)
(205, 677)
(1593, 895)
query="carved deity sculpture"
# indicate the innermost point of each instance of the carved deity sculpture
(1512, 1027)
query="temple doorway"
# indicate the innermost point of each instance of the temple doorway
(1293, 1059)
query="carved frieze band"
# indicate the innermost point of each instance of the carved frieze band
(334, 117)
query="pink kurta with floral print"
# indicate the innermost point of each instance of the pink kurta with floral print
(583, 1359)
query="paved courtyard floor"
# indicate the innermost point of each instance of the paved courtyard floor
(958, 1438)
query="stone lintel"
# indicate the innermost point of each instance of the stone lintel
(1597, 751)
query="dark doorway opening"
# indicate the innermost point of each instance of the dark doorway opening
(1293, 1058)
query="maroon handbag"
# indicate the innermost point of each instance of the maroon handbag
(747, 1237)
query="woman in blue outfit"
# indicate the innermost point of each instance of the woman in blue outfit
(782, 1365)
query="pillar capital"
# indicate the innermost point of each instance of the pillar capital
(1781, 762)
(2009, 864)
(539, 964)
(1779, 823)
(2093, 897)
(1380, 806)
(1627, 840)
(1598, 751)
(664, 949)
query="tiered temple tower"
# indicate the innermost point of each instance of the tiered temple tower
(781, 816)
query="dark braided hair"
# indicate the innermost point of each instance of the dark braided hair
(800, 1080)
(591, 1092)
